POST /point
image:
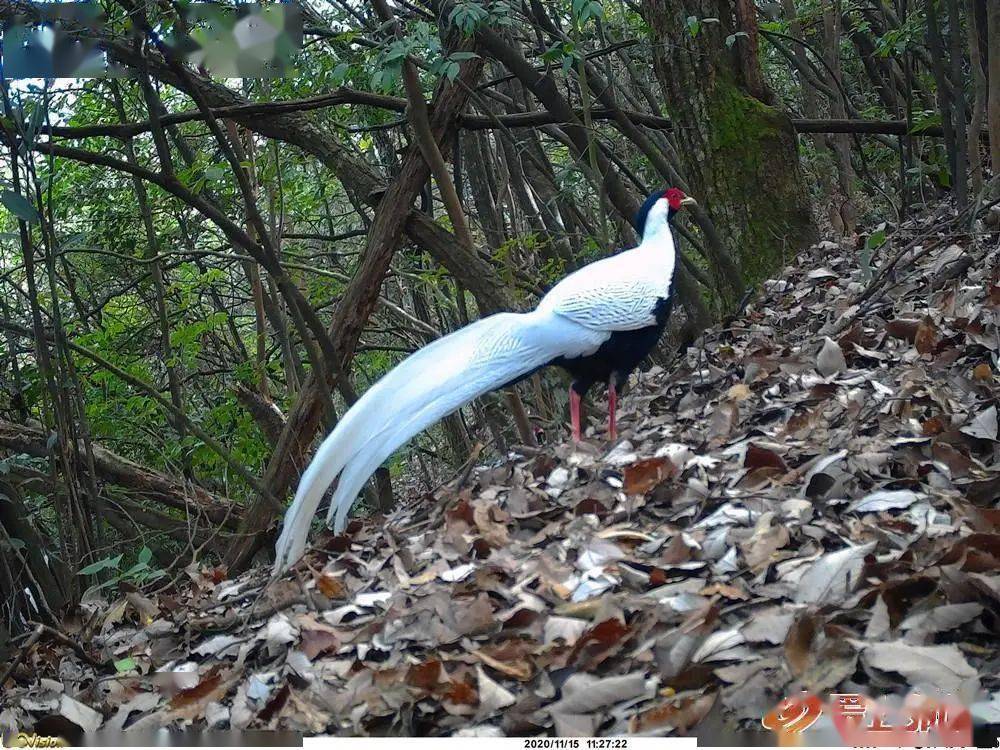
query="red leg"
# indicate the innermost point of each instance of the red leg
(574, 414)
(612, 409)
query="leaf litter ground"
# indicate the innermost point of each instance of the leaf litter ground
(808, 500)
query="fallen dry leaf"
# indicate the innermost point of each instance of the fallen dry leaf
(583, 693)
(932, 668)
(330, 586)
(642, 476)
(834, 575)
(926, 338)
(682, 714)
(983, 372)
(984, 425)
(830, 359)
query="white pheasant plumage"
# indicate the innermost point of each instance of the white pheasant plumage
(594, 323)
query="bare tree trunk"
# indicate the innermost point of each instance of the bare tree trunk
(739, 154)
(880, 71)
(958, 86)
(945, 104)
(980, 92)
(993, 104)
(482, 193)
(840, 142)
(810, 102)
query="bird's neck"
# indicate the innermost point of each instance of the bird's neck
(658, 239)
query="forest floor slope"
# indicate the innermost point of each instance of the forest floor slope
(807, 500)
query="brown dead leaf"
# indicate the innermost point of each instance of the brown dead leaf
(491, 520)
(276, 703)
(993, 295)
(507, 661)
(591, 506)
(316, 642)
(598, 643)
(958, 464)
(799, 641)
(330, 586)
(680, 714)
(933, 426)
(209, 684)
(725, 590)
(978, 553)
(984, 519)
(461, 693)
(983, 372)
(823, 391)
(758, 457)
(461, 514)
(984, 493)
(801, 422)
(926, 337)
(473, 617)
(425, 676)
(643, 476)
(903, 329)
(900, 595)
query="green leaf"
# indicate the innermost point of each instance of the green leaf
(340, 72)
(875, 240)
(97, 567)
(553, 53)
(693, 25)
(145, 555)
(125, 665)
(136, 570)
(215, 172)
(20, 206)
(593, 9)
(461, 56)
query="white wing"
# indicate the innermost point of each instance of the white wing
(619, 293)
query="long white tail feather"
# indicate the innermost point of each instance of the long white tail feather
(430, 384)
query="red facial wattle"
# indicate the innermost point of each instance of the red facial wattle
(674, 197)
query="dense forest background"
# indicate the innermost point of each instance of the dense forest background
(199, 274)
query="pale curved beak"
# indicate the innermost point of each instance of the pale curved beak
(687, 200)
